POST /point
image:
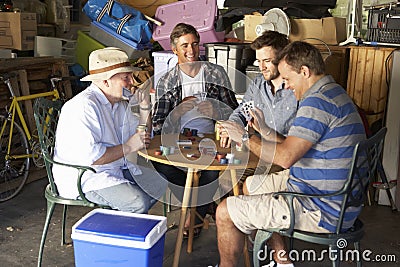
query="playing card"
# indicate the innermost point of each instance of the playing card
(245, 109)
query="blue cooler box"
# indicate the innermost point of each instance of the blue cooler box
(115, 238)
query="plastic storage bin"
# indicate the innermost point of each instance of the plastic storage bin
(384, 25)
(251, 73)
(163, 62)
(199, 13)
(115, 238)
(109, 38)
(234, 57)
(55, 47)
(84, 46)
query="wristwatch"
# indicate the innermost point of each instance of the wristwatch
(245, 137)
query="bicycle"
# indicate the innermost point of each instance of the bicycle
(17, 145)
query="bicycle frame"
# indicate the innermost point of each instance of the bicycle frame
(11, 113)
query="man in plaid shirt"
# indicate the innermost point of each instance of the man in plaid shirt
(194, 94)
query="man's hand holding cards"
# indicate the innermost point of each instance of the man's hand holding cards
(245, 109)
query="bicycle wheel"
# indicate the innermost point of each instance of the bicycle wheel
(14, 170)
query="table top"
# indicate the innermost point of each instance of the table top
(203, 161)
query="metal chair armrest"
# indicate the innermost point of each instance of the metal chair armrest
(289, 196)
(81, 168)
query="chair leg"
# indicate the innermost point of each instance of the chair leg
(64, 218)
(291, 241)
(385, 181)
(259, 240)
(335, 256)
(358, 249)
(167, 203)
(49, 214)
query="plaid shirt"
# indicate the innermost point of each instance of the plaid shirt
(169, 91)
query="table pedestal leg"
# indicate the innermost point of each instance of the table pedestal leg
(185, 204)
(195, 192)
(236, 192)
(235, 183)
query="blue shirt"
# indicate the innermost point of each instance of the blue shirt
(327, 118)
(279, 109)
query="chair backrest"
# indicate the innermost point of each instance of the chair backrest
(363, 169)
(46, 113)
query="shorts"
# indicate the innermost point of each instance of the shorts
(260, 210)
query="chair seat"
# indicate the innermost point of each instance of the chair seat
(52, 197)
(352, 235)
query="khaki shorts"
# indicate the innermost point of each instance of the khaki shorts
(260, 210)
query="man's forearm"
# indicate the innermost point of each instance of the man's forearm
(263, 149)
(112, 154)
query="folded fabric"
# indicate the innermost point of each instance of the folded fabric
(123, 19)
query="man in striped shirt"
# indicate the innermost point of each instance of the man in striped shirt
(316, 153)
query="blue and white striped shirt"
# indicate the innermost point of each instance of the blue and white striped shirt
(328, 118)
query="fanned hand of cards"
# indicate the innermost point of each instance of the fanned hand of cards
(245, 109)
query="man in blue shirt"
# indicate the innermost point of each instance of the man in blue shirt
(317, 153)
(267, 91)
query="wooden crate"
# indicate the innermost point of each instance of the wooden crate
(336, 62)
(367, 79)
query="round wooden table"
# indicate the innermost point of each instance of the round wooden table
(195, 159)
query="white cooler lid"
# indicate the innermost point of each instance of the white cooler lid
(120, 228)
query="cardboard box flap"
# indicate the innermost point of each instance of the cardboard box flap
(331, 30)
(20, 27)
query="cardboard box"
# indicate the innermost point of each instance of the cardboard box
(104, 238)
(331, 30)
(250, 23)
(17, 30)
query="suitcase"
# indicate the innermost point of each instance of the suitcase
(277, 3)
(188, 11)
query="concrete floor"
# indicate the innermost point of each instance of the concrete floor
(22, 218)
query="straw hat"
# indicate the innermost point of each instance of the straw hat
(106, 62)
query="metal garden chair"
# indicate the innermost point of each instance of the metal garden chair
(46, 113)
(363, 170)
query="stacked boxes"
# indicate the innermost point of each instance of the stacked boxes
(17, 30)
(234, 57)
(163, 62)
(55, 47)
(331, 30)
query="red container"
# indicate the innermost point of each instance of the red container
(199, 13)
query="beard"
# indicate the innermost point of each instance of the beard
(271, 75)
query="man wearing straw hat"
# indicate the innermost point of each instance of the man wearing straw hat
(95, 129)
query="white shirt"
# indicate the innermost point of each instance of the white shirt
(88, 124)
(193, 119)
